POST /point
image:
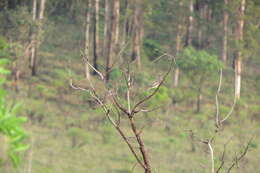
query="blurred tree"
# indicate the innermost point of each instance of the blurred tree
(190, 24)
(36, 41)
(107, 38)
(225, 32)
(87, 39)
(178, 43)
(136, 39)
(96, 36)
(199, 66)
(238, 52)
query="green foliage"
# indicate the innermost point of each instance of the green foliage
(11, 126)
(115, 74)
(152, 49)
(198, 63)
(18, 22)
(10, 123)
(253, 145)
(3, 48)
(162, 97)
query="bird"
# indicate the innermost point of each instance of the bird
(155, 84)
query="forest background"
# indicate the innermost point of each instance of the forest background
(52, 49)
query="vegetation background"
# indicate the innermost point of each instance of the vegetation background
(47, 40)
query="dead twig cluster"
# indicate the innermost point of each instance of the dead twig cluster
(141, 154)
(219, 125)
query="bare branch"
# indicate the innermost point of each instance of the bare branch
(222, 160)
(130, 147)
(141, 144)
(133, 168)
(223, 156)
(159, 57)
(237, 159)
(151, 110)
(212, 157)
(98, 72)
(119, 106)
(107, 113)
(230, 112)
(154, 92)
(217, 101)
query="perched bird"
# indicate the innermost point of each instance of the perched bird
(155, 84)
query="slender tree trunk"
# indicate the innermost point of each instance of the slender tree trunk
(190, 26)
(87, 41)
(108, 39)
(106, 26)
(96, 36)
(238, 52)
(199, 97)
(115, 29)
(42, 10)
(200, 27)
(112, 34)
(136, 47)
(126, 24)
(116, 15)
(40, 23)
(225, 31)
(209, 17)
(33, 35)
(178, 46)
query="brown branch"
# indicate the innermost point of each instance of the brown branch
(237, 159)
(120, 106)
(130, 146)
(154, 92)
(107, 113)
(141, 145)
(222, 160)
(217, 100)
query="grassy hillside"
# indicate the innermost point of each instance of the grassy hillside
(69, 133)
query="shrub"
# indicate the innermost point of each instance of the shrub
(10, 124)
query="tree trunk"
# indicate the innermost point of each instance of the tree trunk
(86, 45)
(106, 26)
(96, 36)
(199, 97)
(190, 26)
(142, 147)
(116, 15)
(178, 46)
(115, 29)
(33, 35)
(42, 10)
(225, 36)
(208, 15)
(112, 35)
(136, 47)
(126, 24)
(108, 39)
(238, 52)
(200, 27)
(40, 23)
